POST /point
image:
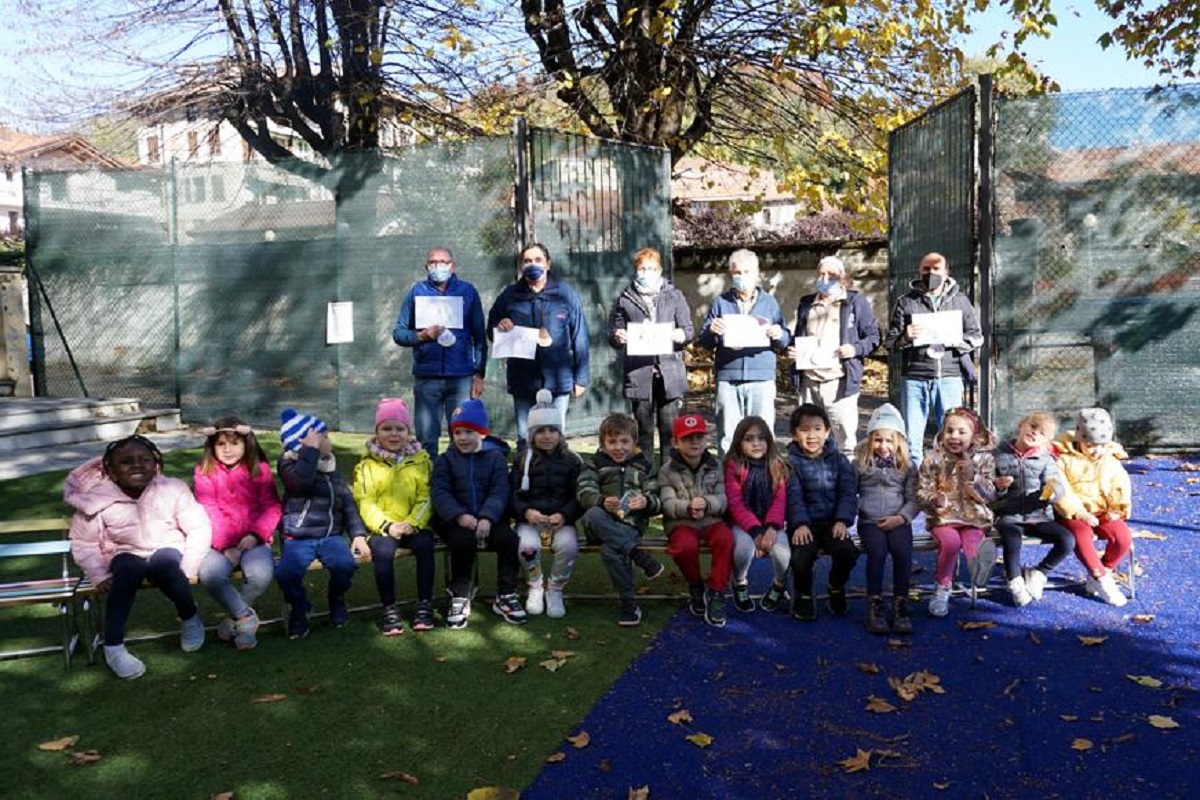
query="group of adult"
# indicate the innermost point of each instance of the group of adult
(835, 331)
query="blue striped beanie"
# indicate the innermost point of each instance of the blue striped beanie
(296, 426)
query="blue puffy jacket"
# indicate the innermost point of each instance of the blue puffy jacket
(316, 504)
(858, 328)
(472, 483)
(556, 308)
(750, 363)
(468, 354)
(821, 490)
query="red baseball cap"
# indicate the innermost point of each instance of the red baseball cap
(688, 424)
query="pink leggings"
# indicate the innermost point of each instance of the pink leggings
(951, 539)
(1114, 531)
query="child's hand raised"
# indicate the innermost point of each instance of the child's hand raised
(312, 439)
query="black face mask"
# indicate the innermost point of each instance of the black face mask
(931, 281)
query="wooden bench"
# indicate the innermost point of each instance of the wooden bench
(60, 591)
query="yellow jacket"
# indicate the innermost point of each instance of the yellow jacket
(393, 490)
(1098, 485)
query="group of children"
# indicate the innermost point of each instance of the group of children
(133, 524)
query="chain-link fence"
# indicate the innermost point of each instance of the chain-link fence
(210, 286)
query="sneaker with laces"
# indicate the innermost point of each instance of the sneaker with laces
(805, 608)
(460, 612)
(245, 631)
(775, 597)
(555, 608)
(696, 599)
(714, 608)
(741, 598)
(1109, 592)
(650, 566)
(423, 616)
(939, 604)
(1019, 591)
(227, 629)
(631, 615)
(980, 567)
(391, 624)
(339, 615)
(298, 623)
(124, 664)
(535, 601)
(838, 605)
(509, 606)
(1035, 582)
(901, 622)
(191, 634)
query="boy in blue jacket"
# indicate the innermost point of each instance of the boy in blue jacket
(822, 503)
(470, 497)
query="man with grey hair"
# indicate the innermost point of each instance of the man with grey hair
(745, 326)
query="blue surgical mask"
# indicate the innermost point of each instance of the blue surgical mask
(439, 273)
(650, 281)
(743, 283)
(533, 272)
(826, 286)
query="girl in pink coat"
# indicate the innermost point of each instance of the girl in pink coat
(234, 484)
(133, 524)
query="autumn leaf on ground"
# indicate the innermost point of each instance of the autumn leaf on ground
(222, 796)
(1144, 534)
(493, 793)
(269, 698)
(1161, 722)
(700, 739)
(1033, 637)
(941, 786)
(580, 740)
(912, 685)
(858, 762)
(877, 705)
(899, 643)
(562, 655)
(641, 793)
(974, 625)
(1092, 641)
(84, 758)
(1146, 680)
(605, 765)
(1068, 717)
(573, 633)
(1011, 689)
(1081, 744)
(552, 664)
(406, 777)
(59, 744)
(513, 663)
(679, 717)
(439, 659)
(556, 758)
(1142, 618)
(870, 669)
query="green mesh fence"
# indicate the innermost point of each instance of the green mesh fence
(209, 286)
(1097, 274)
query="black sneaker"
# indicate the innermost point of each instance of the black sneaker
(773, 599)
(423, 618)
(696, 599)
(714, 608)
(876, 622)
(648, 564)
(391, 624)
(631, 615)
(741, 598)
(297, 624)
(509, 606)
(901, 622)
(805, 608)
(837, 601)
(339, 615)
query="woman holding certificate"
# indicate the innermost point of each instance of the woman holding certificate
(652, 323)
(835, 332)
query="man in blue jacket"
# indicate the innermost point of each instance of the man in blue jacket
(745, 375)
(561, 363)
(448, 363)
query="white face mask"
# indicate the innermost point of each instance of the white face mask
(826, 286)
(439, 273)
(650, 281)
(744, 283)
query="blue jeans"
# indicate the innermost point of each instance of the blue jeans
(521, 406)
(334, 554)
(737, 400)
(920, 396)
(258, 568)
(433, 400)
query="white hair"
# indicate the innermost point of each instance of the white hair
(743, 258)
(832, 263)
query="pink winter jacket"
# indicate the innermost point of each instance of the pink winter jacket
(108, 522)
(238, 504)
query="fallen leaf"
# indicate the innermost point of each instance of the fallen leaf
(1142, 618)
(1081, 744)
(1143, 534)
(493, 793)
(870, 669)
(211, 676)
(573, 633)
(556, 758)
(1033, 637)
(401, 776)
(940, 786)
(899, 643)
(551, 664)
(1161, 722)
(605, 765)
(562, 654)
(439, 659)
(1068, 717)
(974, 625)
(642, 793)
(513, 663)
(700, 739)
(1011, 689)
(59, 744)
(1146, 680)
(580, 740)
(780, 667)
(269, 698)
(858, 762)
(1123, 738)
(1092, 641)
(679, 717)
(222, 796)
(86, 757)
(877, 705)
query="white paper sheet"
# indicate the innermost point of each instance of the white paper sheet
(444, 312)
(743, 330)
(808, 356)
(941, 327)
(517, 343)
(649, 338)
(339, 323)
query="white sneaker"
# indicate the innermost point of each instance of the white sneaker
(123, 663)
(460, 612)
(1020, 592)
(555, 609)
(191, 634)
(226, 629)
(1035, 582)
(939, 604)
(1091, 586)
(535, 601)
(1110, 592)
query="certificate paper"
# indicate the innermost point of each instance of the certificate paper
(942, 327)
(743, 330)
(649, 339)
(808, 357)
(339, 323)
(444, 312)
(517, 343)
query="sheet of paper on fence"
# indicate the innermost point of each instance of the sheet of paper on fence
(339, 323)
(649, 339)
(940, 327)
(517, 343)
(743, 330)
(445, 312)
(808, 356)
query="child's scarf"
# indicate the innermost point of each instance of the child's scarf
(756, 490)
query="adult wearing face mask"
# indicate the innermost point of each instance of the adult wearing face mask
(537, 300)
(654, 385)
(931, 378)
(448, 363)
(745, 375)
(844, 326)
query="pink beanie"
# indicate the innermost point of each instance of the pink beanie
(393, 408)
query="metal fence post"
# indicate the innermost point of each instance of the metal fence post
(986, 232)
(173, 245)
(521, 209)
